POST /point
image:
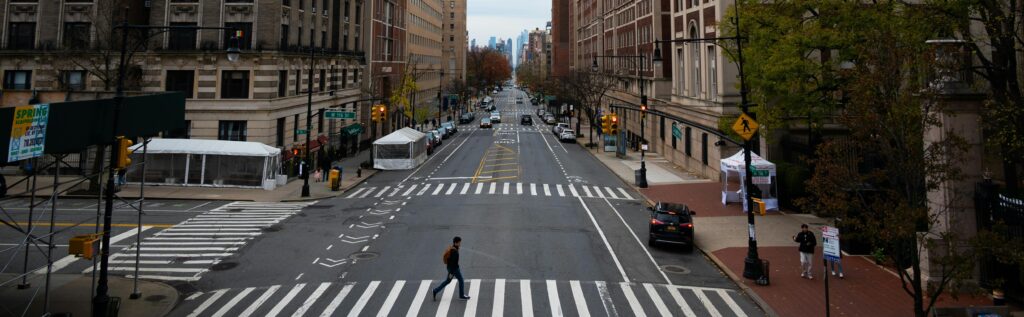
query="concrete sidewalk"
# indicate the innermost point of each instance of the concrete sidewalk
(867, 289)
(70, 294)
(289, 192)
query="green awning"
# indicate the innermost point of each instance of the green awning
(353, 129)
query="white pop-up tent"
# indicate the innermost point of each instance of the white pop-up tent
(764, 178)
(216, 163)
(402, 149)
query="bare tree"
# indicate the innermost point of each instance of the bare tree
(588, 89)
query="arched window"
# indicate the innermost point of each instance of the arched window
(695, 62)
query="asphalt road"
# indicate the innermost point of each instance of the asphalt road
(547, 230)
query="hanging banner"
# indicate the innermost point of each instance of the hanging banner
(28, 132)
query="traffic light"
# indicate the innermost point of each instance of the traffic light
(123, 153)
(643, 103)
(605, 125)
(377, 113)
(613, 127)
(373, 114)
(295, 152)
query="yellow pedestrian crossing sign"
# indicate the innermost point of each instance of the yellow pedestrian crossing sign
(745, 126)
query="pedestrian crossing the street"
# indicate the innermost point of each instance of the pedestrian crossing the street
(186, 250)
(498, 297)
(492, 188)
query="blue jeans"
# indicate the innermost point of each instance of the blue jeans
(833, 265)
(457, 274)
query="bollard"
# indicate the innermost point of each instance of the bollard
(359, 172)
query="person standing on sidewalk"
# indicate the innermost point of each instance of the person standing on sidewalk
(451, 261)
(807, 243)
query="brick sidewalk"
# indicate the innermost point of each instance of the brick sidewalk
(705, 198)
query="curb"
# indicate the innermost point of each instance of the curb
(718, 263)
(339, 193)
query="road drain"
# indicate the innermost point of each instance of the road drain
(363, 255)
(222, 266)
(675, 269)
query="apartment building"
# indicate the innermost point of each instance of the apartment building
(424, 44)
(56, 51)
(454, 38)
(561, 37)
(387, 57)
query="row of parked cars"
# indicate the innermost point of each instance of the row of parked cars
(436, 137)
(564, 133)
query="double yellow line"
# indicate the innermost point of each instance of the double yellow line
(496, 150)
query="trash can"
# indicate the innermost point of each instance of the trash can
(640, 179)
(765, 278)
(334, 180)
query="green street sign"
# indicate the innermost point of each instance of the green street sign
(300, 132)
(339, 115)
(758, 173)
(675, 132)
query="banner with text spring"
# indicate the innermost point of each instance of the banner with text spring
(28, 132)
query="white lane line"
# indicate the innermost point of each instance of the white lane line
(355, 193)
(519, 188)
(561, 192)
(527, 297)
(634, 304)
(731, 303)
(446, 301)
(658, 303)
(312, 299)
(505, 189)
(417, 300)
(287, 299)
(395, 192)
(382, 191)
(586, 191)
(389, 302)
(196, 207)
(547, 191)
(425, 188)
(498, 309)
(625, 194)
(611, 193)
(474, 292)
(67, 260)
(329, 311)
(615, 258)
(533, 189)
(494, 186)
(438, 190)
(259, 301)
(365, 298)
(681, 302)
(707, 303)
(451, 188)
(597, 190)
(479, 188)
(465, 188)
(213, 298)
(411, 188)
(556, 306)
(577, 296)
(572, 189)
(637, 239)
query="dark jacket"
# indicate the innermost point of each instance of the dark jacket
(453, 259)
(807, 241)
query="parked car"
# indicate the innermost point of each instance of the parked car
(567, 135)
(496, 117)
(557, 129)
(443, 131)
(671, 223)
(485, 123)
(525, 120)
(451, 127)
(550, 118)
(434, 137)
(540, 113)
(465, 118)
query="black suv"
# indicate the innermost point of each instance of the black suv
(526, 120)
(672, 223)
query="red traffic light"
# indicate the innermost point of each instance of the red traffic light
(295, 152)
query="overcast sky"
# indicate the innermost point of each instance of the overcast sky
(505, 18)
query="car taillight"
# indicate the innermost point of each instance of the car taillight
(656, 222)
(686, 225)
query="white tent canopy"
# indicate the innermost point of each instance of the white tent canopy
(402, 149)
(764, 177)
(194, 162)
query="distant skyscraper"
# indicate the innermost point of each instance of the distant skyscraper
(472, 44)
(492, 42)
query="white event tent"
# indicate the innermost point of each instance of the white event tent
(216, 163)
(732, 168)
(402, 149)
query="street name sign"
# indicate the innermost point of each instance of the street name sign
(339, 115)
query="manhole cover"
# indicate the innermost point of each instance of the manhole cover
(274, 228)
(155, 298)
(675, 269)
(363, 255)
(223, 266)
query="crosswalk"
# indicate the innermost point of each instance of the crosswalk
(492, 188)
(497, 297)
(509, 128)
(188, 249)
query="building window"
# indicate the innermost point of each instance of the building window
(355, 76)
(673, 140)
(453, 15)
(73, 80)
(712, 74)
(344, 78)
(280, 131)
(231, 131)
(704, 148)
(282, 83)
(234, 84)
(695, 66)
(295, 129)
(245, 41)
(181, 80)
(284, 37)
(346, 11)
(689, 142)
(18, 79)
(298, 81)
(182, 39)
(21, 36)
(300, 36)
(323, 38)
(320, 120)
(76, 35)
(323, 80)
(662, 129)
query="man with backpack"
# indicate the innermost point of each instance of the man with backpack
(451, 261)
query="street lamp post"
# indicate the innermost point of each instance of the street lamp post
(752, 267)
(101, 300)
(642, 182)
(309, 120)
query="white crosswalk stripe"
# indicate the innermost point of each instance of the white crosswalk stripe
(451, 189)
(227, 221)
(187, 250)
(438, 189)
(561, 193)
(587, 191)
(518, 298)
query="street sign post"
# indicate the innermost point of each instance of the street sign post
(745, 126)
(334, 114)
(830, 246)
(300, 132)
